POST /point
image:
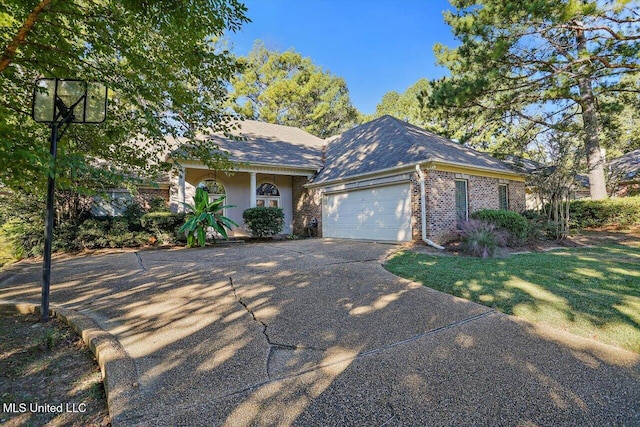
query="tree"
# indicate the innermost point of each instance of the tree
(159, 59)
(287, 89)
(411, 106)
(540, 65)
(406, 106)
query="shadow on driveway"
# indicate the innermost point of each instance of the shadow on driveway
(316, 332)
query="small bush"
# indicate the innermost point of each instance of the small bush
(92, 234)
(510, 221)
(481, 239)
(621, 213)
(65, 237)
(26, 238)
(161, 221)
(163, 225)
(158, 204)
(132, 215)
(263, 221)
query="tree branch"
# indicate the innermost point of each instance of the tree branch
(21, 37)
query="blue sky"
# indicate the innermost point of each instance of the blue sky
(376, 45)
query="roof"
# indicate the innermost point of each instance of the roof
(270, 144)
(387, 143)
(627, 166)
(520, 164)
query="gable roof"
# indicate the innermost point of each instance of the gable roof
(266, 143)
(387, 143)
(627, 166)
(263, 143)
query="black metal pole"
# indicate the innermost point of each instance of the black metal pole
(48, 226)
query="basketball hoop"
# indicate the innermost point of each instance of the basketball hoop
(61, 102)
(54, 99)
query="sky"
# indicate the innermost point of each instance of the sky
(377, 46)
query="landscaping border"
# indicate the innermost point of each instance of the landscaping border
(118, 369)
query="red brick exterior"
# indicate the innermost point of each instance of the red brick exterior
(440, 200)
(307, 204)
(145, 195)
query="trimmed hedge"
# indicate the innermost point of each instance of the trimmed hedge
(510, 221)
(621, 212)
(263, 221)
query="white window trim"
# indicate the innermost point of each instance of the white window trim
(268, 199)
(216, 195)
(466, 198)
(506, 187)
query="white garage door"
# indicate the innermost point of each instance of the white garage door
(378, 213)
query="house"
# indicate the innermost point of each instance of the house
(532, 170)
(625, 174)
(367, 183)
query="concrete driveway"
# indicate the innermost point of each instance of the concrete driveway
(316, 332)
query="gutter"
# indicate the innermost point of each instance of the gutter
(423, 200)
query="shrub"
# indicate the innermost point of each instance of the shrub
(92, 234)
(25, 238)
(510, 221)
(622, 212)
(65, 237)
(158, 204)
(161, 221)
(163, 225)
(132, 215)
(263, 221)
(481, 239)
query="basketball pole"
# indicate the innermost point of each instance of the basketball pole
(48, 227)
(50, 99)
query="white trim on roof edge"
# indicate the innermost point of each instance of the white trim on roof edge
(430, 164)
(260, 168)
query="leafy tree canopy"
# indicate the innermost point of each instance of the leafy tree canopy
(159, 59)
(288, 89)
(412, 107)
(540, 65)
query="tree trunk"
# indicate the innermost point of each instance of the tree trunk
(597, 183)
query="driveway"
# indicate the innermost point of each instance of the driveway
(316, 332)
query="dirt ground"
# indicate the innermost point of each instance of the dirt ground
(49, 376)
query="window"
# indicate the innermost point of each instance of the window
(114, 203)
(215, 190)
(462, 208)
(268, 195)
(503, 196)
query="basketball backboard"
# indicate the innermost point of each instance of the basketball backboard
(54, 98)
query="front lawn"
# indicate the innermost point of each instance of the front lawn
(592, 292)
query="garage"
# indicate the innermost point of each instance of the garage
(373, 213)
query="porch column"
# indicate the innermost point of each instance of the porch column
(252, 190)
(181, 189)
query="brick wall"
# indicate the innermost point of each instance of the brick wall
(307, 204)
(441, 201)
(145, 195)
(517, 196)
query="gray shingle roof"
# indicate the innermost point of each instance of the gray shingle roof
(266, 143)
(627, 166)
(387, 142)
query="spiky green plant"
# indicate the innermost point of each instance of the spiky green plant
(204, 214)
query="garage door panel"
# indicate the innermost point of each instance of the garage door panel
(381, 213)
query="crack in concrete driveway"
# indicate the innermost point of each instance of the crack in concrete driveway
(333, 339)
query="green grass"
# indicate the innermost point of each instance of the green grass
(592, 292)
